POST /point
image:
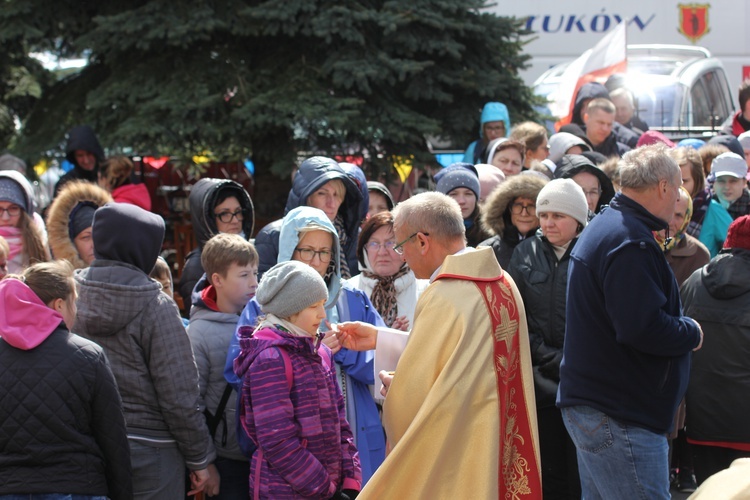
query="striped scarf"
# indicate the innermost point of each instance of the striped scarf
(384, 296)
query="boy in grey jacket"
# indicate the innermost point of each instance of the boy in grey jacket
(231, 265)
(139, 327)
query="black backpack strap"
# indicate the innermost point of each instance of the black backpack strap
(213, 420)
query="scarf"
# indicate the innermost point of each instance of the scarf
(274, 321)
(338, 223)
(14, 237)
(383, 295)
(700, 207)
(676, 238)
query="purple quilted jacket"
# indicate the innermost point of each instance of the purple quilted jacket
(305, 446)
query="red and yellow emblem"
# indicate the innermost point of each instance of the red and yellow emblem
(694, 20)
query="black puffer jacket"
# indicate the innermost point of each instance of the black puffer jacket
(203, 199)
(496, 214)
(542, 281)
(63, 428)
(312, 174)
(718, 297)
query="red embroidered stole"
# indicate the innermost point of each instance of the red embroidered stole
(519, 473)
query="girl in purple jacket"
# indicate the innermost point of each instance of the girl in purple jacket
(292, 406)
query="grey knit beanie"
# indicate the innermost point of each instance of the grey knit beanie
(456, 176)
(288, 288)
(563, 196)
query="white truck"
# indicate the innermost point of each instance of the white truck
(563, 30)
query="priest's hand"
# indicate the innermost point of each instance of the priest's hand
(331, 340)
(357, 335)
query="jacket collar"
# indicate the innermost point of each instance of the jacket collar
(624, 204)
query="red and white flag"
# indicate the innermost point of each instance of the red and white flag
(606, 58)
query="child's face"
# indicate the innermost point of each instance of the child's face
(729, 188)
(309, 319)
(238, 286)
(166, 284)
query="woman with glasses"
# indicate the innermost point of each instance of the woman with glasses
(385, 278)
(510, 214)
(322, 183)
(216, 206)
(22, 229)
(308, 235)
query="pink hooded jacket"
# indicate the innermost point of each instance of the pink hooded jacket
(25, 321)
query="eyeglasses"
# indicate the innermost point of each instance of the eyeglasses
(376, 246)
(12, 211)
(226, 217)
(399, 249)
(518, 208)
(308, 254)
(593, 192)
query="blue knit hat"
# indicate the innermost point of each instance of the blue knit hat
(456, 176)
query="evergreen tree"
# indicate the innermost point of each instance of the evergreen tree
(277, 79)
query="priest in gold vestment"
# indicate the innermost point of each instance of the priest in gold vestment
(459, 413)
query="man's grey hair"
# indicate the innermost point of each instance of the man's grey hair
(433, 213)
(644, 167)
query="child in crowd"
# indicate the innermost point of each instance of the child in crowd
(115, 176)
(63, 424)
(163, 274)
(231, 265)
(292, 406)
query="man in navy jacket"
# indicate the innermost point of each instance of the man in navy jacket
(626, 359)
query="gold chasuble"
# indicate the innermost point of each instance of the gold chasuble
(460, 415)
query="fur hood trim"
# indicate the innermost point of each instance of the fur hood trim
(524, 185)
(58, 218)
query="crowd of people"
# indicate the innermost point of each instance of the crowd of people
(556, 316)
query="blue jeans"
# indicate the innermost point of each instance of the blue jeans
(51, 496)
(617, 460)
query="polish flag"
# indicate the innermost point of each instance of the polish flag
(608, 57)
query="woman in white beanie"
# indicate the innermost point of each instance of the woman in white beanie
(539, 266)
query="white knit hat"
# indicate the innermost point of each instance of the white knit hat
(563, 196)
(288, 288)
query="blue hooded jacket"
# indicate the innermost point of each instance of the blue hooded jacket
(492, 112)
(313, 173)
(354, 370)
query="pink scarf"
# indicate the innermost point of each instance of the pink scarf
(14, 237)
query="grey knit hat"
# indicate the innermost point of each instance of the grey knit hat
(288, 288)
(456, 176)
(563, 196)
(12, 192)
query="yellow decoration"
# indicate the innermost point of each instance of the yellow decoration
(202, 158)
(403, 166)
(41, 167)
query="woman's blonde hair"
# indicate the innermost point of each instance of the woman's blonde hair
(116, 171)
(35, 250)
(50, 280)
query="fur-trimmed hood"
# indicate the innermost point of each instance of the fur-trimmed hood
(524, 185)
(58, 219)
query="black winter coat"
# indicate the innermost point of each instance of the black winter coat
(63, 429)
(542, 281)
(718, 297)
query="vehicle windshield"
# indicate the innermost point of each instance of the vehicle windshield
(658, 100)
